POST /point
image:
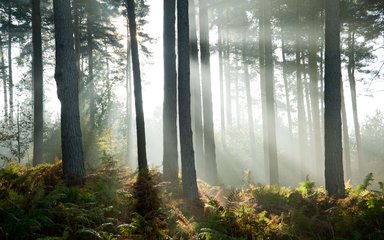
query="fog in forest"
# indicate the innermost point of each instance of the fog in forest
(239, 126)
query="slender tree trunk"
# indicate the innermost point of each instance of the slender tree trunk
(67, 78)
(18, 135)
(170, 155)
(221, 78)
(209, 137)
(314, 86)
(190, 190)
(76, 25)
(352, 83)
(237, 95)
(252, 138)
(140, 125)
(300, 95)
(4, 77)
(37, 75)
(346, 147)
(196, 96)
(128, 104)
(10, 75)
(270, 96)
(334, 179)
(227, 67)
(90, 81)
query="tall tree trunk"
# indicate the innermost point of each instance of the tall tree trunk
(76, 25)
(140, 125)
(263, 88)
(188, 170)
(37, 75)
(300, 95)
(67, 78)
(196, 95)
(270, 96)
(237, 95)
(209, 137)
(314, 86)
(170, 155)
(221, 78)
(4, 77)
(90, 80)
(346, 147)
(128, 104)
(334, 179)
(352, 83)
(252, 138)
(10, 74)
(227, 72)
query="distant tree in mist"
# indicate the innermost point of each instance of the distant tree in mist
(334, 176)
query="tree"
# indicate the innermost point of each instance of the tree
(334, 179)
(190, 190)
(140, 125)
(67, 77)
(37, 75)
(170, 155)
(209, 138)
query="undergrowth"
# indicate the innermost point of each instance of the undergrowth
(115, 204)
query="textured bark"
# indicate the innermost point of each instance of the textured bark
(270, 96)
(37, 75)
(170, 155)
(140, 125)
(334, 180)
(352, 83)
(196, 104)
(190, 190)
(4, 78)
(67, 77)
(209, 137)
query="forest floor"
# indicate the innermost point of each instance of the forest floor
(115, 204)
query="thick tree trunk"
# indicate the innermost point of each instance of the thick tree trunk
(170, 155)
(140, 125)
(67, 77)
(196, 94)
(334, 179)
(37, 75)
(76, 25)
(209, 137)
(270, 96)
(190, 190)
(4, 77)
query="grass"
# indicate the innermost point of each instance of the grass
(115, 204)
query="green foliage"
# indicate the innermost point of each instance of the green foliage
(113, 205)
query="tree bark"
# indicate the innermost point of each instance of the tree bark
(170, 154)
(196, 104)
(4, 77)
(190, 190)
(37, 75)
(346, 149)
(67, 77)
(90, 80)
(270, 96)
(334, 179)
(10, 74)
(209, 137)
(140, 125)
